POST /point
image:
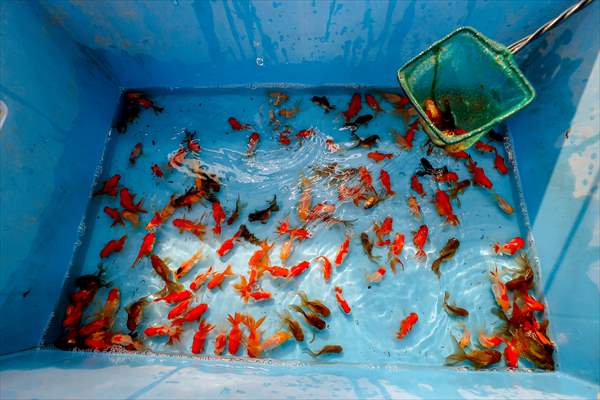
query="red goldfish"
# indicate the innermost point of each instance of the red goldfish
(444, 208)
(531, 303)
(227, 245)
(500, 165)
(377, 156)
(419, 239)
(135, 153)
(489, 341)
(219, 277)
(343, 251)
(509, 248)
(127, 202)
(446, 177)
(414, 207)
(176, 160)
(254, 335)
(109, 187)
(499, 290)
(235, 334)
(299, 268)
(161, 216)
(383, 229)
(113, 246)
(252, 143)
(353, 107)
(284, 139)
(365, 178)
(395, 250)
(326, 267)
(179, 309)
(218, 216)
(188, 264)
(175, 297)
(478, 174)
(200, 336)
(114, 214)
(220, 343)
(197, 228)
(511, 354)
(146, 247)
(384, 178)
(246, 291)
(173, 332)
(484, 147)
(416, 186)
(376, 276)
(200, 279)
(191, 142)
(341, 300)
(406, 325)
(156, 170)
(278, 272)
(236, 125)
(459, 154)
(305, 133)
(372, 102)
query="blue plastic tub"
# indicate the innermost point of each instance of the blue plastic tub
(64, 66)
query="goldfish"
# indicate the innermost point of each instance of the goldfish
(135, 313)
(218, 216)
(478, 174)
(455, 310)
(191, 142)
(457, 188)
(220, 343)
(465, 339)
(376, 276)
(395, 250)
(253, 345)
(135, 153)
(293, 326)
(109, 187)
(299, 233)
(314, 305)
(275, 340)
(73, 315)
(511, 354)
(252, 143)
(264, 214)
(175, 297)
(146, 247)
(484, 147)
(201, 278)
(383, 229)
(509, 248)
(416, 186)
(156, 170)
(406, 325)
(327, 349)
(286, 249)
(384, 177)
(372, 102)
(227, 245)
(200, 336)
(176, 159)
(458, 154)
(499, 290)
(432, 111)
(188, 264)
(531, 303)
(278, 98)
(332, 147)
(366, 143)
(219, 277)
(235, 334)
(94, 326)
(341, 300)
(503, 204)
(284, 139)
(161, 216)
(419, 240)
(365, 178)
(524, 274)
(489, 341)
(127, 202)
(197, 228)
(367, 246)
(342, 251)
(322, 102)
(353, 107)
(448, 176)
(500, 165)
(446, 253)
(414, 207)
(260, 260)
(189, 198)
(304, 204)
(114, 214)
(396, 99)
(246, 293)
(131, 217)
(326, 267)
(173, 332)
(290, 113)
(113, 246)
(377, 156)
(404, 141)
(236, 125)
(279, 272)
(121, 339)
(311, 319)
(299, 268)
(444, 208)
(236, 212)
(479, 358)
(165, 273)
(305, 133)
(179, 309)
(97, 340)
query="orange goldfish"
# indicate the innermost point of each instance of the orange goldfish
(188, 264)
(304, 204)
(341, 300)
(220, 343)
(179, 309)
(196, 228)
(218, 216)
(254, 335)
(377, 156)
(146, 247)
(376, 276)
(384, 178)
(135, 153)
(235, 334)
(173, 332)
(200, 336)
(444, 208)
(219, 277)
(419, 240)
(200, 279)
(299, 268)
(343, 251)
(509, 248)
(395, 251)
(326, 267)
(406, 325)
(499, 290)
(275, 340)
(489, 341)
(228, 245)
(383, 230)
(414, 207)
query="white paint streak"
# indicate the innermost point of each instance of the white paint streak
(584, 166)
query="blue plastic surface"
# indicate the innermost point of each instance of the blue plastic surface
(62, 64)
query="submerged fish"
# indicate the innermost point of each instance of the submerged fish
(314, 305)
(311, 319)
(263, 215)
(461, 312)
(327, 349)
(322, 102)
(367, 142)
(367, 246)
(479, 358)
(446, 253)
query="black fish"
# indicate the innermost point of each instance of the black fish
(249, 236)
(236, 213)
(322, 102)
(367, 142)
(354, 125)
(428, 169)
(263, 215)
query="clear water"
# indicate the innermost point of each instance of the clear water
(368, 333)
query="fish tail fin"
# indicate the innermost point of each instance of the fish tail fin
(421, 253)
(354, 137)
(175, 335)
(435, 267)
(228, 271)
(303, 297)
(496, 248)
(310, 352)
(458, 356)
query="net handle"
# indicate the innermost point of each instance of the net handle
(524, 41)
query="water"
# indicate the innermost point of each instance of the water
(368, 333)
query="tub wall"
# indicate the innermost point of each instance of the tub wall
(60, 105)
